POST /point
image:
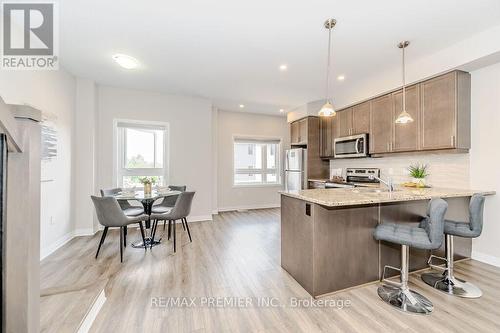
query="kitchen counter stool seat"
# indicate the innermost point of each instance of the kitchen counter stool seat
(429, 235)
(446, 280)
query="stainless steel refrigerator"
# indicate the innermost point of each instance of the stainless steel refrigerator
(296, 169)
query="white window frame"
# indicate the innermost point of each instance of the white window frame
(264, 170)
(119, 158)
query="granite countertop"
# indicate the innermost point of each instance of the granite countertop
(363, 196)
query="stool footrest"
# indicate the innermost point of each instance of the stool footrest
(436, 267)
(393, 283)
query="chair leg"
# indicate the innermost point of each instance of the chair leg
(183, 227)
(173, 223)
(164, 224)
(169, 228)
(121, 244)
(143, 236)
(187, 228)
(104, 233)
(153, 233)
(125, 236)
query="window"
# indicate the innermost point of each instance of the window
(256, 162)
(141, 152)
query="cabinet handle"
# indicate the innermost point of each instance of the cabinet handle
(453, 141)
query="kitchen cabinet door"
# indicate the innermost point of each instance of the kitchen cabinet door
(303, 131)
(361, 118)
(344, 122)
(406, 136)
(381, 124)
(439, 112)
(326, 137)
(294, 132)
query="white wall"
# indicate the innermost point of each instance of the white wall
(190, 121)
(485, 157)
(85, 156)
(238, 123)
(51, 92)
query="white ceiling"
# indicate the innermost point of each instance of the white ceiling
(230, 50)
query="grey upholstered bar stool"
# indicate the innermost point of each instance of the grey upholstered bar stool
(446, 281)
(180, 211)
(427, 236)
(110, 215)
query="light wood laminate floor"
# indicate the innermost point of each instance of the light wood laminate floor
(236, 255)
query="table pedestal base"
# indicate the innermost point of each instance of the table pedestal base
(139, 244)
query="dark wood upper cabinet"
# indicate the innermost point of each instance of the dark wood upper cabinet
(440, 107)
(344, 122)
(303, 130)
(361, 118)
(406, 136)
(445, 112)
(294, 132)
(326, 137)
(381, 124)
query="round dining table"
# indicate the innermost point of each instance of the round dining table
(147, 201)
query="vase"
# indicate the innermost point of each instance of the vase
(147, 189)
(419, 181)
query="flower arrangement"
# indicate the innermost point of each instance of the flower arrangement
(418, 172)
(148, 182)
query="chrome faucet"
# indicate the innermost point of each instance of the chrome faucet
(387, 183)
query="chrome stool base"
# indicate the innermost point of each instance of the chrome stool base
(405, 300)
(452, 285)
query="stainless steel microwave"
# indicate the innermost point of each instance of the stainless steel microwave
(351, 146)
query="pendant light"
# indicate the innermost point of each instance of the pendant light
(404, 117)
(327, 110)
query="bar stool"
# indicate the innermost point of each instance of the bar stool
(427, 236)
(446, 281)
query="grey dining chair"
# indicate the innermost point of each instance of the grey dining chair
(168, 202)
(180, 211)
(110, 215)
(125, 205)
(127, 208)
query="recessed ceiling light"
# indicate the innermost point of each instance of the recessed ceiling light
(283, 67)
(282, 110)
(126, 61)
(242, 106)
(341, 77)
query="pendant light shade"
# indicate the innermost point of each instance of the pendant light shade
(327, 109)
(404, 117)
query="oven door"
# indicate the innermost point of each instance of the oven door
(351, 146)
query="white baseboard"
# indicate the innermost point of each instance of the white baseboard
(87, 322)
(45, 252)
(199, 218)
(486, 258)
(247, 207)
(84, 232)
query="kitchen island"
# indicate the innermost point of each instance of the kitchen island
(326, 234)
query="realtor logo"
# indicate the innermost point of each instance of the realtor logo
(29, 36)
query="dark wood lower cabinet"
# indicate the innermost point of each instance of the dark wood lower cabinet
(333, 248)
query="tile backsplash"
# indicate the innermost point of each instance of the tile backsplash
(445, 169)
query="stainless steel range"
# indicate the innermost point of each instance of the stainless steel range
(357, 177)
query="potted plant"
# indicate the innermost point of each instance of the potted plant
(418, 172)
(148, 182)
